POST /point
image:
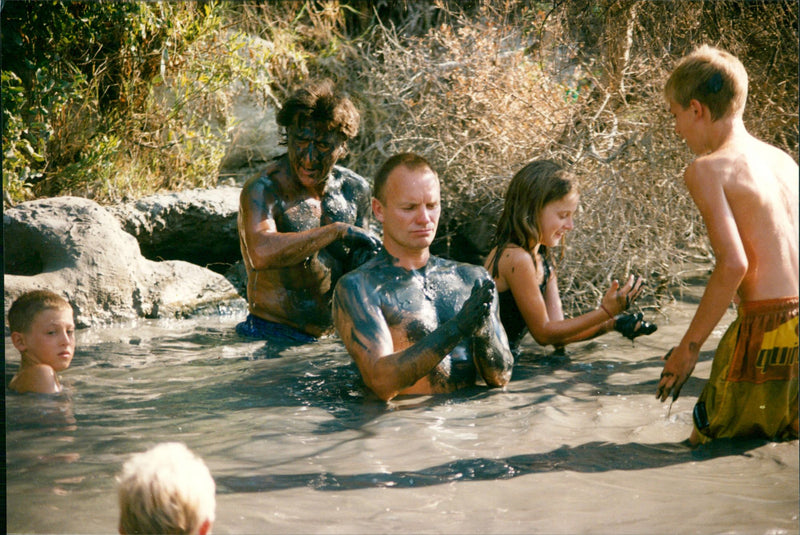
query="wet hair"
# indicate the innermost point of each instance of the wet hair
(530, 190)
(25, 308)
(166, 489)
(407, 159)
(711, 76)
(320, 103)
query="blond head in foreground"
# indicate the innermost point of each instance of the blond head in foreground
(166, 489)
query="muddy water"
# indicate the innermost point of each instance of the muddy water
(575, 444)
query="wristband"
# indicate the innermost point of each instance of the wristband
(606, 311)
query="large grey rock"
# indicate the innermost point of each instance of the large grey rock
(198, 226)
(77, 248)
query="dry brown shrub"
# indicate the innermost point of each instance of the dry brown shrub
(509, 82)
(481, 88)
(474, 99)
(637, 214)
(468, 98)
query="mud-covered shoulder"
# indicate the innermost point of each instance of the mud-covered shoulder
(370, 279)
(261, 191)
(265, 178)
(350, 180)
(370, 272)
(352, 287)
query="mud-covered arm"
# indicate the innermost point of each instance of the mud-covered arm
(363, 329)
(262, 243)
(555, 313)
(366, 249)
(358, 244)
(542, 312)
(490, 349)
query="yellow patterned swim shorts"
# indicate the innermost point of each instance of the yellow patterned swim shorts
(752, 390)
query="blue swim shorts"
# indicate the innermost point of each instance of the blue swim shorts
(255, 327)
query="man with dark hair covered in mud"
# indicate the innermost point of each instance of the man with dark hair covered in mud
(303, 220)
(412, 322)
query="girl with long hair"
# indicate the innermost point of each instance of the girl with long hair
(539, 207)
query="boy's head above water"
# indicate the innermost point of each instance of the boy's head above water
(43, 331)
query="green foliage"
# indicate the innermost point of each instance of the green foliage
(47, 51)
(113, 99)
(18, 152)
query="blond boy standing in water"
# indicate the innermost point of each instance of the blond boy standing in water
(747, 193)
(43, 331)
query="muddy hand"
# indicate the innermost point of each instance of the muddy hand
(361, 255)
(633, 325)
(668, 382)
(636, 291)
(358, 238)
(476, 308)
(629, 292)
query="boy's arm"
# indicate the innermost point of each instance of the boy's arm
(730, 267)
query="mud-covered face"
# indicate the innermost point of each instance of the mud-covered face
(313, 152)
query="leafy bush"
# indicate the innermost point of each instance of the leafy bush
(115, 99)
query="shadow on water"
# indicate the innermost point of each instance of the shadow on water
(598, 373)
(591, 457)
(338, 390)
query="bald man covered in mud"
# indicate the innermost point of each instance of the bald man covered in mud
(415, 323)
(302, 222)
